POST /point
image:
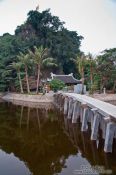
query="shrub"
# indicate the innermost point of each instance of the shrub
(57, 85)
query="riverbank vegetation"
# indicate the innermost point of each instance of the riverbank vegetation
(42, 45)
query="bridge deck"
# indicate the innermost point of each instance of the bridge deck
(104, 108)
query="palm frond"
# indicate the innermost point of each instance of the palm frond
(49, 62)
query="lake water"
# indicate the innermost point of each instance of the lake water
(41, 142)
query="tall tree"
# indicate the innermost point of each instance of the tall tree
(47, 30)
(81, 62)
(106, 67)
(40, 29)
(92, 68)
(17, 67)
(40, 57)
(25, 59)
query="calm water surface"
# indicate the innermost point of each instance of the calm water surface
(41, 142)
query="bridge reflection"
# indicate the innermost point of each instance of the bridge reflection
(91, 150)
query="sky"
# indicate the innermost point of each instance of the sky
(95, 20)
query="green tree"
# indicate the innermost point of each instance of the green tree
(40, 57)
(81, 63)
(17, 67)
(57, 85)
(106, 68)
(91, 70)
(40, 29)
(44, 29)
(25, 60)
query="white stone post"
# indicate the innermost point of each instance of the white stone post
(66, 102)
(70, 109)
(81, 111)
(110, 134)
(104, 91)
(95, 125)
(61, 103)
(103, 125)
(75, 112)
(84, 126)
(90, 115)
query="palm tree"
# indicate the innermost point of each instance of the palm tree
(25, 59)
(81, 62)
(17, 67)
(91, 63)
(49, 62)
(40, 58)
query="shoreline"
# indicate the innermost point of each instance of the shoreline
(47, 98)
(34, 101)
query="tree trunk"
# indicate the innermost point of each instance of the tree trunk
(27, 80)
(38, 75)
(82, 92)
(91, 74)
(20, 82)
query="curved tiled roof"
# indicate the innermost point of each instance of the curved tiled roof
(67, 79)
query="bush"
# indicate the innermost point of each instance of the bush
(56, 85)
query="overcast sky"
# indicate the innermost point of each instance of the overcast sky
(93, 19)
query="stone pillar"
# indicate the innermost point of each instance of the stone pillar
(59, 100)
(84, 126)
(103, 125)
(90, 115)
(75, 112)
(95, 125)
(70, 108)
(61, 103)
(66, 103)
(110, 134)
(81, 111)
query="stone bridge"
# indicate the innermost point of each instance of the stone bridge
(99, 114)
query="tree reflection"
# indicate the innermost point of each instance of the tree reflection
(45, 151)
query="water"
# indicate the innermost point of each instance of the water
(41, 142)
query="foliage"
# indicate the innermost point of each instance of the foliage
(44, 29)
(57, 84)
(41, 29)
(44, 41)
(106, 69)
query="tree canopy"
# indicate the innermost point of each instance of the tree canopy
(40, 29)
(44, 30)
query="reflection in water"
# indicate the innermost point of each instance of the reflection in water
(43, 142)
(92, 151)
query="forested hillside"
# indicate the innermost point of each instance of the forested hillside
(42, 45)
(40, 29)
